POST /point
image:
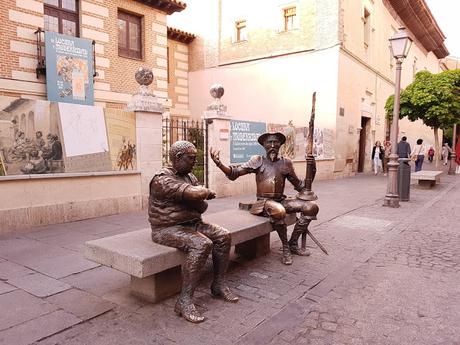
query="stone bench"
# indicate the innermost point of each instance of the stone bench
(155, 269)
(426, 178)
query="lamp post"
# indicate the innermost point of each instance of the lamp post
(399, 44)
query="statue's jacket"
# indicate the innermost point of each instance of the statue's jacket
(167, 206)
(270, 178)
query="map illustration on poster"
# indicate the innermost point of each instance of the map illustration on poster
(243, 140)
(69, 69)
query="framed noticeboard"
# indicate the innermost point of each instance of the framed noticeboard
(243, 140)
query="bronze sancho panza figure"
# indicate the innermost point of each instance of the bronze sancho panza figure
(271, 173)
(176, 203)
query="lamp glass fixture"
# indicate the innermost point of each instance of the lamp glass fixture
(400, 44)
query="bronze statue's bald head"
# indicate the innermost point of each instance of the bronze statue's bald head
(182, 155)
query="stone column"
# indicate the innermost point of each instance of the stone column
(149, 115)
(218, 123)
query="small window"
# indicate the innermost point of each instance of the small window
(129, 35)
(61, 16)
(290, 18)
(241, 31)
(414, 68)
(367, 27)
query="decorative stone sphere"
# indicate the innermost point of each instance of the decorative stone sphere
(216, 91)
(144, 76)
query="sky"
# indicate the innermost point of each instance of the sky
(446, 13)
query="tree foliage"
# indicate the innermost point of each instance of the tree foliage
(432, 98)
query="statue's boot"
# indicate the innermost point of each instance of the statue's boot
(220, 260)
(294, 240)
(184, 307)
(191, 273)
(281, 229)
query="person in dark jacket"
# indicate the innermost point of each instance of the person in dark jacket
(378, 153)
(403, 149)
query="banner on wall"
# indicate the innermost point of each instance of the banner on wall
(243, 140)
(69, 69)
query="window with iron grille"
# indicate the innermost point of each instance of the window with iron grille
(62, 16)
(129, 35)
(290, 18)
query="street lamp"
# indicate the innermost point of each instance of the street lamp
(399, 45)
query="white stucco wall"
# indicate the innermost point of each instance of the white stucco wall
(273, 90)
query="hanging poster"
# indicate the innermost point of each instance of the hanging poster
(243, 140)
(69, 69)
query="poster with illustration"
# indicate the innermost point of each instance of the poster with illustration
(69, 69)
(2, 166)
(121, 132)
(30, 139)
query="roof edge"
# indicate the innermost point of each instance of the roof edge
(418, 18)
(167, 6)
(180, 36)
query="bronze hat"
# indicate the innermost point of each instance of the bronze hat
(264, 136)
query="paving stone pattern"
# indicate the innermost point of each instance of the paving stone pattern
(392, 277)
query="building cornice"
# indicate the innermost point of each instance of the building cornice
(180, 36)
(167, 6)
(418, 18)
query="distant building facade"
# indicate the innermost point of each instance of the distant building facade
(271, 55)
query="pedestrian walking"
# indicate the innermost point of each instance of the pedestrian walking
(418, 154)
(403, 148)
(457, 158)
(378, 154)
(386, 159)
(445, 153)
(430, 154)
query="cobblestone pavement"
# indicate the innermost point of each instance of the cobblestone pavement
(392, 277)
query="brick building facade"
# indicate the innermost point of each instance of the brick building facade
(98, 20)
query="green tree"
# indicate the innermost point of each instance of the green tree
(432, 98)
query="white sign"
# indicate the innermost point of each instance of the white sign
(83, 129)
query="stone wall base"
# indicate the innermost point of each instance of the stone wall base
(22, 218)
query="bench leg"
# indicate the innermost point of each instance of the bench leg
(159, 286)
(426, 183)
(254, 248)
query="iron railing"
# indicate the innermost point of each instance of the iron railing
(194, 131)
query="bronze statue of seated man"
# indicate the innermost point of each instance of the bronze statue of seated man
(271, 172)
(176, 203)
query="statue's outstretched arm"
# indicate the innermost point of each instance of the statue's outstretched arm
(215, 156)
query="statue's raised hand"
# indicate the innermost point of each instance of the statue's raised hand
(215, 156)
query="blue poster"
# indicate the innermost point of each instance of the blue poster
(243, 140)
(69, 69)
